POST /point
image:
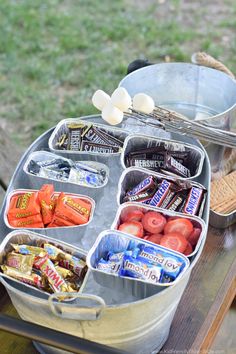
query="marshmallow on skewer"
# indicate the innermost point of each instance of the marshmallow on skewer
(100, 99)
(112, 114)
(121, 99)
(143, 103)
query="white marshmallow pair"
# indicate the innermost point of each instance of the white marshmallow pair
(112, 107)
(120, 101)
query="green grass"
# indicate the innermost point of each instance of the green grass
(54, 54)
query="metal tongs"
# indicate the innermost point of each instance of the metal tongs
(172, 121)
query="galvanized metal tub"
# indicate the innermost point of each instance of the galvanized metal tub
(196, 91)
(140, 326)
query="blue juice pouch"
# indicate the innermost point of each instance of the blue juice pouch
(136, 268)
(170, 263)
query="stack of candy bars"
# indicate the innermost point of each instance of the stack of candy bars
(160, 159)
(47, 268)
(173, 232)
(143, 261)
(45, 209)
(68, 171)
(168, 195)
(81, 137)
(223, 194)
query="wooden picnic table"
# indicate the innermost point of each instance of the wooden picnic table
(206, 300)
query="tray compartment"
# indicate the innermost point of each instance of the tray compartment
(42, 156)
(62, 128)
(135, 142)
(196, 221)
(116, 241)
(132, 176)
(34, 239)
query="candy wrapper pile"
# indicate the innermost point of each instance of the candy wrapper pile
(143, 261)
(82, 137)
(160, 159)
(68, 171)
(47, 268)
(167, 195)
(44, 208)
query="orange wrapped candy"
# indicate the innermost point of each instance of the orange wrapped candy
(59, 222)
(47, 202)
(72, 209)
(24, 205)
(24, 211)
(34, 221)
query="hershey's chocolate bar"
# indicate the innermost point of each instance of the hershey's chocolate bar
(96, 136)
(176, 167)
(74, 136)
(99, 148)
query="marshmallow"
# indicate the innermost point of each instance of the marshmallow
(112, 114)
(100, 99)
(143, 103)
(121, 99)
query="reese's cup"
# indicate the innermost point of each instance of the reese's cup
(24, 205)
(34, 221)
(72, 209)
(47, 202)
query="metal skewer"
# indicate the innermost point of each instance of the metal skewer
(174, 122)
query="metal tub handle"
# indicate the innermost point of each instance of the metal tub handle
(74, 311)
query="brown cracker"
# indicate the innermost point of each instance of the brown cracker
(220, 192)
(230, 179)
(227, 207)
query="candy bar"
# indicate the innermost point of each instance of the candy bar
(143, 197)
(23, 263)
(111, 139)
(46, 266)
(74, 136)
(176, 202)
(60, 222)
(161, 193)
(53, 251)
(85, 178)
(72, 209)
(99, 148)
(27, 249)
(109, 266)
(31, 221)
(96, 136)
(145, 184)
(24, 205)
(64, 273)
(171, 265)
(150, 164)
(47, 203)
(78, 266)
(193, 202)
(154, 158)
(32, 279)
(136, 268)
(51, 174)
(172, 165)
